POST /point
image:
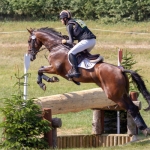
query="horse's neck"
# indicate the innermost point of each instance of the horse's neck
(54, 45)
(59, 51)
(51, 42)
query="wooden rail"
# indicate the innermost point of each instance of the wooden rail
(78, 101)
(89, 141)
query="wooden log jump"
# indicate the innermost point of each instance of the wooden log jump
(78, 101)
(81, 100)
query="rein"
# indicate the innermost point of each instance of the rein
(41, 49)
(47, 48)
(50, 50)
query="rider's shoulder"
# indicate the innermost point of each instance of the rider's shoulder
(77, 21)
(71, 21)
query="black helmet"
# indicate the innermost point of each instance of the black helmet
(65, 14)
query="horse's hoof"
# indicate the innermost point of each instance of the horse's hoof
(55, 79)
(42, 86)
(146, 132)
(147, 109)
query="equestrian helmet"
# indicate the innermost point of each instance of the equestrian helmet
(65, 14)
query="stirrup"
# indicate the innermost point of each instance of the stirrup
(76, 75)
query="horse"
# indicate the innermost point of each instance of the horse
(112, 79)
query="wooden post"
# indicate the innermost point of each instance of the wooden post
(131, 126)
(98, 121)
(48, 135)
(134, 96)
(56, 123)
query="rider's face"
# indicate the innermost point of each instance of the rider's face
(62, 21)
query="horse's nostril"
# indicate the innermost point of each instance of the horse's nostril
(31, 58)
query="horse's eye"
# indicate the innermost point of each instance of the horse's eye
(29, 41)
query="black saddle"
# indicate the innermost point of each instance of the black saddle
(85, 54)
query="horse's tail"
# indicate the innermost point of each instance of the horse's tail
(140, 85)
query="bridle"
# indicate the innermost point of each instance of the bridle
(32, 49)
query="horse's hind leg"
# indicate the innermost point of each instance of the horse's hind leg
(133, 110)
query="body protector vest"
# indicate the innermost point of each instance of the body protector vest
(80, 30)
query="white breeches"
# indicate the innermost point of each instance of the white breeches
(87, 44)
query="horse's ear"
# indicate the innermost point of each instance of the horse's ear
(29, 31)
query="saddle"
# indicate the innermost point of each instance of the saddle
(85, 54)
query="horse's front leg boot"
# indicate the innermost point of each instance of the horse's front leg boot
(39, 79)
(42, 86)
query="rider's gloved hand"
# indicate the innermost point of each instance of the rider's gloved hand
(63, 41)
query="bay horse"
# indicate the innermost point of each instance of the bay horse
(112, 79)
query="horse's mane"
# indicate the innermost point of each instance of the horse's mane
(50, 31)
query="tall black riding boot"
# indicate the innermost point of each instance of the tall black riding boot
(75, 72)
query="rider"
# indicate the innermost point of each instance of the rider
(77, 30)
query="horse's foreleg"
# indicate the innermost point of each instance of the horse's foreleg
(46, 78)
(39, 81)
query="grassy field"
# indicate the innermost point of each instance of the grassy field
(133, 37)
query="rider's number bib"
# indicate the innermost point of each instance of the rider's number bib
(81, 23)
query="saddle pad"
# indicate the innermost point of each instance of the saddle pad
(85, 63)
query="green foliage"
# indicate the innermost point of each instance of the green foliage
(136, 10)
(23, 126)
(84, 9)
(127, 63)
(127, 60)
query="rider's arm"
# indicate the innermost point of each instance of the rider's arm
(70, 33)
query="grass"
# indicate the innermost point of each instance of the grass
(14, 45)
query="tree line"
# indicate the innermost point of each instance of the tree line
(135, 10)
